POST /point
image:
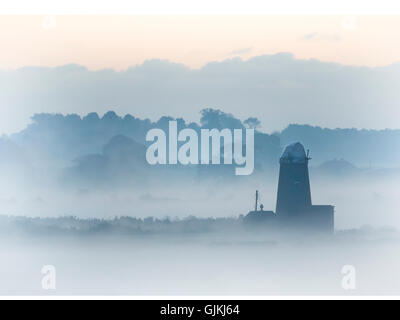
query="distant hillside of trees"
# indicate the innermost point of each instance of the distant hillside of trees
(360, 147)
(99, 150)
(59, 141)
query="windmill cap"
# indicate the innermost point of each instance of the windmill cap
(294, 153)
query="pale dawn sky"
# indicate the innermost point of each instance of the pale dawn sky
(118, 42)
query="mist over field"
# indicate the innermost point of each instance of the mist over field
(77, 193)
(228, 262)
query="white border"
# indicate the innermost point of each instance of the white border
(199, 7)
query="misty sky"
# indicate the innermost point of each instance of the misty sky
(332, 71)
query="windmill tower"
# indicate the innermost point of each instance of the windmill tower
(294, 194)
